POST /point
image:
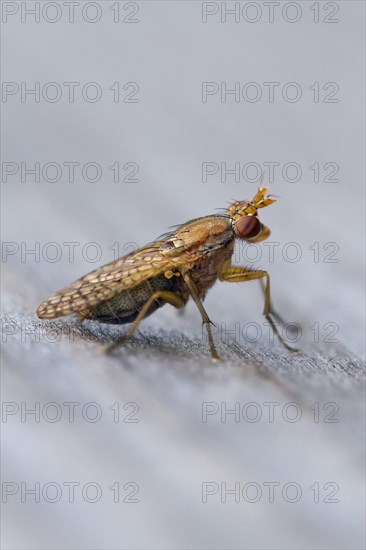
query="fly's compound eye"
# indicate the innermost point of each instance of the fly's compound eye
(248, 227)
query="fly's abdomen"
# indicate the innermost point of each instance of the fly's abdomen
(124, 307)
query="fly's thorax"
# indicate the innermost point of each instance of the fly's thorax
(209, 232)
(209, 266)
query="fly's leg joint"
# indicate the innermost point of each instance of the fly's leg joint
(166, 295)
(205, 318)
(209, 322)
(235, 275)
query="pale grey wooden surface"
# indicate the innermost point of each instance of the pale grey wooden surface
(166, 369)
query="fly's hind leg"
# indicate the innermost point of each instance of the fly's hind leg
(166, 295)
(241, 274)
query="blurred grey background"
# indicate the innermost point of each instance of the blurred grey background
(149, 82)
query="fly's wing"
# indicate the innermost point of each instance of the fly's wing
(104, 283)
(177, 250)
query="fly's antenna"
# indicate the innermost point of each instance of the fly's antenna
(261, 199)
(262, 177)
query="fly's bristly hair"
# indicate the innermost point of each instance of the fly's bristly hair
(223, 212)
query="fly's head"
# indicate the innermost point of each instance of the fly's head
(245, 222)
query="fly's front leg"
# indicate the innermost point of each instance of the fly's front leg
(234, 274)
(205, 318)
(272, 311)
(169, 297)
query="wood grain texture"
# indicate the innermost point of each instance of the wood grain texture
(170, 452)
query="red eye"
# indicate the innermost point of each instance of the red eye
(248, 227)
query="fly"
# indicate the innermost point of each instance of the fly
(181, 265)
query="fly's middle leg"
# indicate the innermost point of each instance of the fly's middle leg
(241, 274)
(166, 295)
(205, 318)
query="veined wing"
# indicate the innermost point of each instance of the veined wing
(179, 249)
(107, 281)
